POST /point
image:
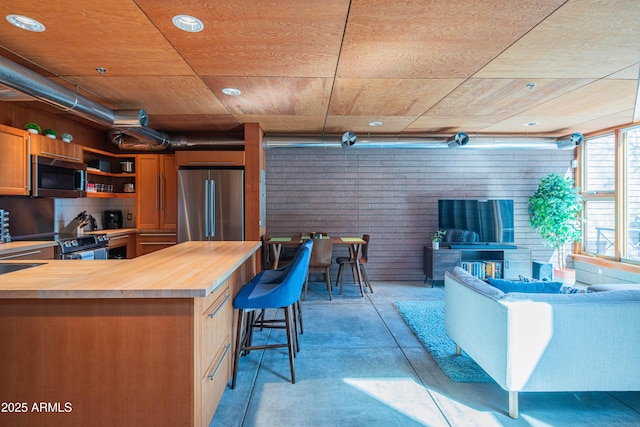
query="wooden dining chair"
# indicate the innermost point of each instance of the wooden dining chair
(343, 261)
(320, 262)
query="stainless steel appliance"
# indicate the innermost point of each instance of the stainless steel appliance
(31, 218)
(210, 204)
(5, 234)
(89, 246)
(57, 178)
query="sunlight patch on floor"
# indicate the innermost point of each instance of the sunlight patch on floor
(458, 411)
(402, 394)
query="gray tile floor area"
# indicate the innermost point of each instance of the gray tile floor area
(360, 365)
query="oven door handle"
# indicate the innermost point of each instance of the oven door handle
(98, 253)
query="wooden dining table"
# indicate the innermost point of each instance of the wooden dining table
(291, 241)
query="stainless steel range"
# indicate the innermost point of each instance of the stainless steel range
(90, 246)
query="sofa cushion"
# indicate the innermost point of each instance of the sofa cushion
(614, 287)
(507, 286)
(590, 297)
(473, 282)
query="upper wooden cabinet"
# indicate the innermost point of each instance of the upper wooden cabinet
(156, 187)
(54, 148)
(210, 158)
(14, 162)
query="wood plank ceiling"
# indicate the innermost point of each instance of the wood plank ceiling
(430, 67)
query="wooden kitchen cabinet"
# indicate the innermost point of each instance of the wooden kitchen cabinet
(41, 145)
(30, 254)
(156, 187)
(154, 241)
(14, 162)
(122, 245)
(210, 158)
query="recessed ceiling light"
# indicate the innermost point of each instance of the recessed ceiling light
(531, 124)
(531, 85)
(375, 123)
(231, 91)
(188, 23)
(26, 23)
(101, 70)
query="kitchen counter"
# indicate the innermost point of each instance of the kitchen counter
(186, 270)
(28, 245)
(144, 342)
(12, 247)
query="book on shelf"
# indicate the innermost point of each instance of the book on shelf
(483, 269)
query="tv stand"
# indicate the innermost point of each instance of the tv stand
(482, 246)
(515, 261)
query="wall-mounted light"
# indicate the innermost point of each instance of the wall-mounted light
(574, 140)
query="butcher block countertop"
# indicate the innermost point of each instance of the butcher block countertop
(12, 247)
(186, 270)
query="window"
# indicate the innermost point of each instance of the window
(599, 214)
(631, 145)
(610, 182)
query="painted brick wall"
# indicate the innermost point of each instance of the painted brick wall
(392, 195)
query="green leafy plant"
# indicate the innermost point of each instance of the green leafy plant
(33, 126)
(50, 132)
(554, 212)
(438, 236)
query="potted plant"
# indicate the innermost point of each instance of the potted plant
(554, 213)
(66, 137)
(50, 133)
(438, 236)
(32, 127)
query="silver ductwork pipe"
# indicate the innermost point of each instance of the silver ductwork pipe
(27, 82)
(33, 84)
(334, 141)
(477, 142)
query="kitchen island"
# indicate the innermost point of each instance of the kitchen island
(145, 341)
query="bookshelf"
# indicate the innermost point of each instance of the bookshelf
(501, 263)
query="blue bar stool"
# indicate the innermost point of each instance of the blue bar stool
(271, 290)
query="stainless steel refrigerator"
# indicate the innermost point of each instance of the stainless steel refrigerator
(210, 204)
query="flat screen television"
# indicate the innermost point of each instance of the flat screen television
(477, 221)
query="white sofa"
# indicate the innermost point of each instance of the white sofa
(546, 342)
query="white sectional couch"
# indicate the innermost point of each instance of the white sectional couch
(546, 342)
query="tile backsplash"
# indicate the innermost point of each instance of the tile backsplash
(67, 209)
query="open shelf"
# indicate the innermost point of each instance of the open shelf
(110, 175)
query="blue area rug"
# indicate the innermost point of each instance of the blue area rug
(426, 320)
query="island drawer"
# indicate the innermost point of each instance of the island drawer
(215, 382)
(216, 326)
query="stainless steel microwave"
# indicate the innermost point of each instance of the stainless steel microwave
(57, 178)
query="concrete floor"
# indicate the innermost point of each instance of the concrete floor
(360, 365)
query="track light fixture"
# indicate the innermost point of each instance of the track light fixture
(348, 139)
(459, 139)
(574, 140)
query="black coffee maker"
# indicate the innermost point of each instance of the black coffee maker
(112, 219)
